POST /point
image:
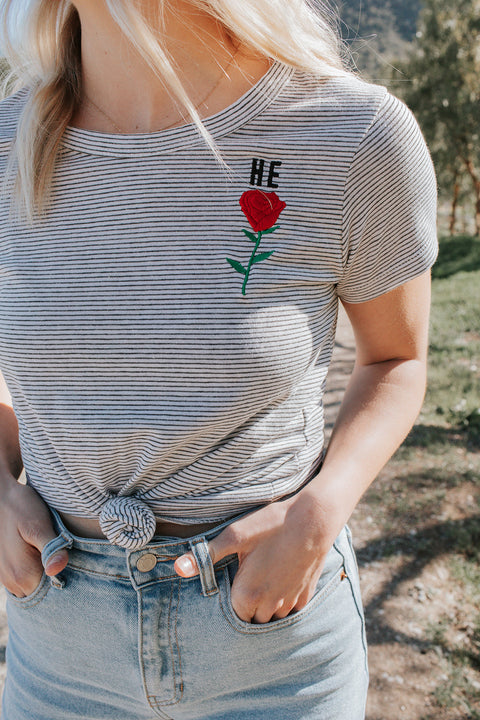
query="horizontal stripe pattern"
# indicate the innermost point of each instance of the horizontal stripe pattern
(137, 367)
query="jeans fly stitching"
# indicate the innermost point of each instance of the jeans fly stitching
(152, 699)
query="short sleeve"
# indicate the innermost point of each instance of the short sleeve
(390, 204)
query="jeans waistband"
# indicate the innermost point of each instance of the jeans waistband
(152, 563)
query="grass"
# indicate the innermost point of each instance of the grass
(461, 663)
(457, 692)
(453, 394)
(457, 254)
(448, 424)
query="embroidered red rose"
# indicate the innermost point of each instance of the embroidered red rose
(262, 210)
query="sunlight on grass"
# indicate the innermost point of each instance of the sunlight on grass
(453, 394)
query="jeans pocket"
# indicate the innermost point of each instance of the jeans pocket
(331, 577)
(353, 573)
(33, 598)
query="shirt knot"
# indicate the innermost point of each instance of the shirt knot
(127, 521)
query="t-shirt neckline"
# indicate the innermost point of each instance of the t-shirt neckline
(250, 104)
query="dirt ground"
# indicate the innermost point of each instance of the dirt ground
(410, 596)
(403, 597)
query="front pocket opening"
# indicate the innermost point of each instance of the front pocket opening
(322, 591)
(34, 597)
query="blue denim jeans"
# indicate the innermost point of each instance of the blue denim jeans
(119, 636)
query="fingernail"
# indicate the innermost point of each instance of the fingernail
(185, 564)
(52, 561)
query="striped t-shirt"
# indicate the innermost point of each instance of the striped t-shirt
(166, 328)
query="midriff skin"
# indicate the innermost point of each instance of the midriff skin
(90, 527)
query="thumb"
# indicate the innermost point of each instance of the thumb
(41, 534)
(218, 548)
(56, 563)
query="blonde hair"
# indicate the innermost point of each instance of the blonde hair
(42, 44)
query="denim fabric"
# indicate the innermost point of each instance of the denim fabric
(120, 636)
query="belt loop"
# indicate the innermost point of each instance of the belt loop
(54, 546)
(205, 566)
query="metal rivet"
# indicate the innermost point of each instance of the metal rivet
(146, 562)
(57, 582)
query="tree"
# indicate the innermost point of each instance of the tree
(443, 90)
(371, 29)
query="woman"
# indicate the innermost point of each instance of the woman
(193, 186)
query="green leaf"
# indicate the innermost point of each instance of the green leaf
(270, 230)
(250, 235)
(262, 256)
(237, 266)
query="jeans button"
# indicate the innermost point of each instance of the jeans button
(146, 562)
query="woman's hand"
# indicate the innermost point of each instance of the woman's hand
(25, 528)
(281, 550)
(282, 547)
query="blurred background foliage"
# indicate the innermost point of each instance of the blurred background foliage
(428, 53)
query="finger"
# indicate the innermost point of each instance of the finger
(248, 600)
(224, 544)
(284, 610)
(305, 597)
(56, 563)
(22, 583)
(186, 565)
(37, 534)
(24, 571)
(267, 612)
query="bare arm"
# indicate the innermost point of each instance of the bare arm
(25, 522)
(287, 541)
(385, 392)
(10, 457)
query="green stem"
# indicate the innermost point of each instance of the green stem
(244, 286)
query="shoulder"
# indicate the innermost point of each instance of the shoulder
(10, 111)
(343, 101)
(346, 91)
(374, 130)
(393, 150)
(344, 107)
(394, 128)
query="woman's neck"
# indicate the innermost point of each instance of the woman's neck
(123, 91)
